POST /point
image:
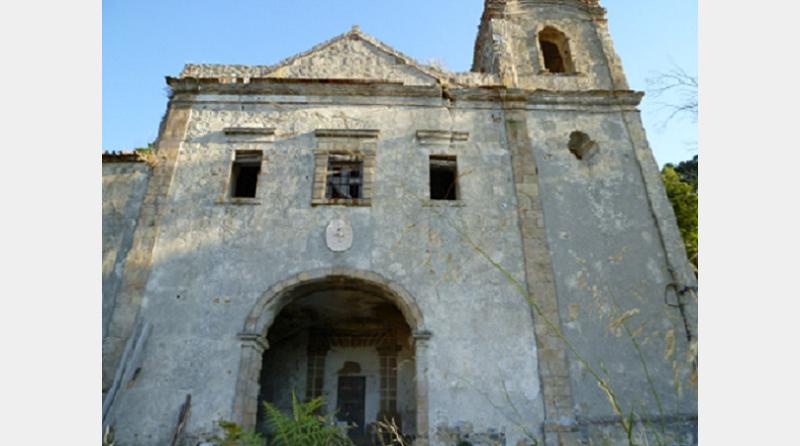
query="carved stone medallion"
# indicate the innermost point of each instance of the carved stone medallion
(339, 235)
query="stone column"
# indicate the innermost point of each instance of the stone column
(421, 340)
(245, 401)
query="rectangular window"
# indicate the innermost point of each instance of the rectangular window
(345, 177)
(315, 376)
(244, 176)
(388, 385)
(444, 177)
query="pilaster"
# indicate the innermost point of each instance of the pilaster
(560, 425)
(245, 403)
(421, 351)
(137, 265)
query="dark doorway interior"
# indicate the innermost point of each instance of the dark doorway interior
(350, 405)
(347, 334)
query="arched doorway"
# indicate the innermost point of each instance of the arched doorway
(350, 337)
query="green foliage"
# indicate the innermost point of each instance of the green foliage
(687, 170)
(683, 196)
(145, 150)
(304, 427)
(235, 435)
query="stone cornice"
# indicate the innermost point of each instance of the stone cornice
(300, 87)
(599, 98)
(502, 8)
(186, 90)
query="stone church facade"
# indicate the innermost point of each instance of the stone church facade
(488, 258)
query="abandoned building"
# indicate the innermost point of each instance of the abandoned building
(487, 257)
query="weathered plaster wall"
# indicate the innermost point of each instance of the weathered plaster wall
(609, 263)
(213, 260)
(593, 238)
(124, 185)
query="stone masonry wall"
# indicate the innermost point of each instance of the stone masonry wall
(588, 232)
(612, 275)
(214, 258)
(124, 185)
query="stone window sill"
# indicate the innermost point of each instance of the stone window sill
(444, 204)
(341, 202)
(239, 201)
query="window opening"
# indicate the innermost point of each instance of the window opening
(555, 51)
(552, 57)
(444, 178)
(244, 178)
(345, 177)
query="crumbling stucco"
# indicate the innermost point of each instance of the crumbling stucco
(590, 237)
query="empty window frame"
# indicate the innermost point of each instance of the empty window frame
(244, 174)
(556, 55)
(345, 177)
(443, 177)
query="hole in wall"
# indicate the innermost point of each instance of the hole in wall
(581, 146)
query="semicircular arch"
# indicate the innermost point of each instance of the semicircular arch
(273, 300)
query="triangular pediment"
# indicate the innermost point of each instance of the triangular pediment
(354, 55)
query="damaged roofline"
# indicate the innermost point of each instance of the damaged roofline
(123, 157)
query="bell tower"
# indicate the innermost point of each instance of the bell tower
(558, 45)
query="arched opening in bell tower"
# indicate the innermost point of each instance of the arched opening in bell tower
(555, 52)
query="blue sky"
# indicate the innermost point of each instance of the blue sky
(145, 40)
